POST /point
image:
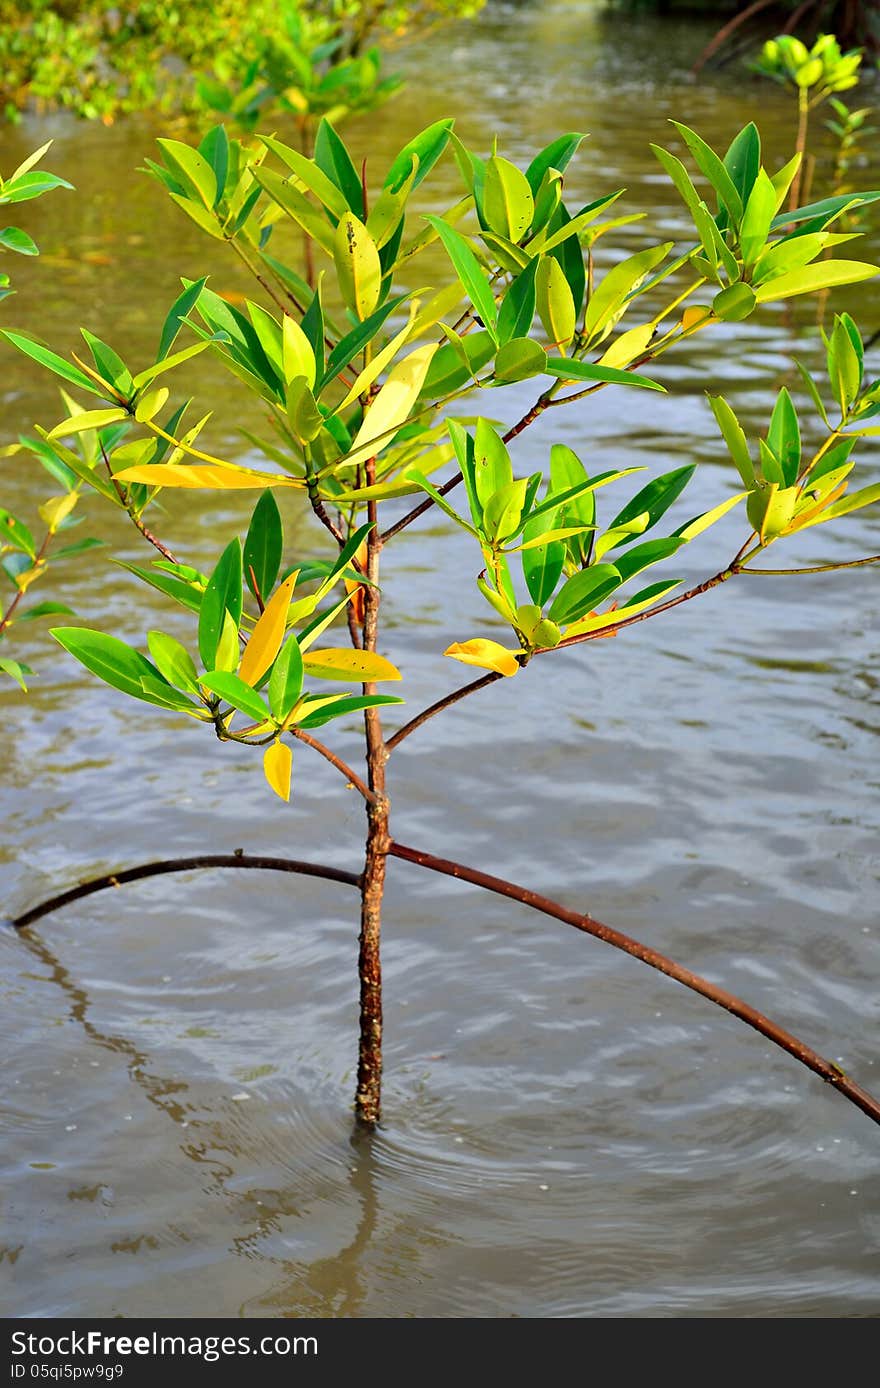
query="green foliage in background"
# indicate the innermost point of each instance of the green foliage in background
(241, 56)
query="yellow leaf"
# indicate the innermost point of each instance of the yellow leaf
(277, 763)
(210, 477)
(392, 405)
(694, 315)
(87, 419)
(629, 345)
(357, 266)
(149, 406)
(373, 371)
(54, 511)
(297, 352)
(344, 664)
(268, 634)
(487, 654)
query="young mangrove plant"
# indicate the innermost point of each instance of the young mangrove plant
(374, 392)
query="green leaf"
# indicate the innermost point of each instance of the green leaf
(427, 148)
(263, 546)
(583, 591)
(447, 372)
(214, 148)
(743, 160)
(13, 239)
(114, 662)
(108, 365)
(191, 169)
(825, 211)
(555, 303)
(655, 499)
(518, 307)
(716, 171)
(183, 304)
(235, 692)
(567, 369)
(734, 437)
(503, 510)
(173, 661)
(348, 347)
(492, 465)
(467, 268)
(555, 156)
(309, 173)
(519, 360)
(759, 213)
(16, 533)
(508, 204)
(45, 609)
(16, 671)
(332, 157)
(339, 707)
(297, 206)
(784, 438)
(643, 556)
(542, 565)
(618, 285)
(54, 363)
(222, 595)
(179, 589)
(286, 679)
(735, 303)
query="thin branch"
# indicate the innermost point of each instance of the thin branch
(446, 702)
(528, 418)
(826, 1069)
(351, 776)
(818, 568)
(203, 860)
(612, 629)
(724, 33)
(7, 616)
(135, 520)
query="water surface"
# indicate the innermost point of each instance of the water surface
(566, 1133)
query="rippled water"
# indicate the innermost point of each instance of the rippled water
(566, 1134)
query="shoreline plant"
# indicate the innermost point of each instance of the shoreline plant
(363, 380)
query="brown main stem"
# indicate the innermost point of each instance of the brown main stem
(368, 1098)
(826, 1069)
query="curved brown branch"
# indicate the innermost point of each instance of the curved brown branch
(826, 1069)
(725, 32)
(446, 702)
(351, 776)
(202, 860)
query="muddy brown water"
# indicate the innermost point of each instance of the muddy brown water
(566, 1134)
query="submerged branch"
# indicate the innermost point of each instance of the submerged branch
(826, 1069)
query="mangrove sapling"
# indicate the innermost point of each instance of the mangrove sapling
(362, 380)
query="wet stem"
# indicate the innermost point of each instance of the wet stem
(368, 1097)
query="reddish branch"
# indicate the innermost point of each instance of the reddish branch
(826, 1069)
(203, 860)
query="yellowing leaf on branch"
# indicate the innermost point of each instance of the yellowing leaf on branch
(277, 764)
(268, 634)
(488, 655)
(53, 512)
(205, 477)
(344, 664)
(392, 405)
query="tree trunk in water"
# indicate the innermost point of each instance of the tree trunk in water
(368, 1100)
